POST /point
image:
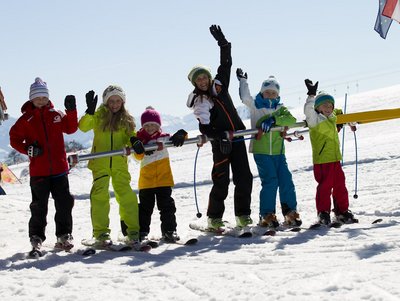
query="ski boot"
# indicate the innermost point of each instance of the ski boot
(346, 217)
(269, 221)
(170, 237)
(243, 221)
(215, 224)
(324, 218)
(292, 219)
(133, 241)
(36, 243)
(143, 236)
(103, 241)
(64, 242)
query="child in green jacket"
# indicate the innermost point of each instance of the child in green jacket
(114, 129)
(266, 110)
(328, 172)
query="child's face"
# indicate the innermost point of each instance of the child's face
(151, 128)
(202, 82)
(40, 102)
(114, 103)
(326, 109)
(270, 94)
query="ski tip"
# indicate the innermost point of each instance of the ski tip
(269, 233)
(152, 243)
(145, 248)
(377, 221)
(335, 225)
(191, 241)
(315, 226)
(245, 235)
(88, 252)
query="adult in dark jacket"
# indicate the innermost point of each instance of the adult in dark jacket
(38, 133)
(218, 118)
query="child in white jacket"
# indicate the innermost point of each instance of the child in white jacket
(269, 151)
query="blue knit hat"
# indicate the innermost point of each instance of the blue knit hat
(323, 97)
(38, 89)
(270, 84)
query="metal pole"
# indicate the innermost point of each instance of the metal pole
(200, 139)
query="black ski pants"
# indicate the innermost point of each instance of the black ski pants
(41, 187)
(242, 177)
(165, 204)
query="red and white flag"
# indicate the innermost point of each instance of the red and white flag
(392, 10)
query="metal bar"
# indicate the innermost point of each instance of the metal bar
(201, 139)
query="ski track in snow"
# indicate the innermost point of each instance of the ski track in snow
(355, 262)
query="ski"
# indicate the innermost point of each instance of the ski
(151, 242)
(155, 243)
(121, 247)
(270, 231)
(69, 249)
(145, 242)
(263, 231)
(187, 242)
(228, 231)
(36, 253)
(317, 226)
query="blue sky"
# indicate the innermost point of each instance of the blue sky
(76, 46)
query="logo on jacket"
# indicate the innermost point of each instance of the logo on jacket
(57, 118)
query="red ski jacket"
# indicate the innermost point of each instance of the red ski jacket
(46, 127)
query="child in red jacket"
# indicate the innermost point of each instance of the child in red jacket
(38, 133)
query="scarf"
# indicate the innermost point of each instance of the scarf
(268, 103)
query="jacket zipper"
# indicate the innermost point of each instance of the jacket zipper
(226, 113)
(47, 142)
(112, 145)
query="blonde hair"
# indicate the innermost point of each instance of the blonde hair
(115, 121)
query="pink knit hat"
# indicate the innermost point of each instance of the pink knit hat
(150, 116)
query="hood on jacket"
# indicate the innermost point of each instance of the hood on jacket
(28, 107)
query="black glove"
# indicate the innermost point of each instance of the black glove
(149, 153)
(218, 35)
(312, 89)
(225, 145)
(137, 145)
(240, 75)
(70, 103)
(91, 102)
(34, 150)
(178, 138)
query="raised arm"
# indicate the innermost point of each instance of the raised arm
(224, 69)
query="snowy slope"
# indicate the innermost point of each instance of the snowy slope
(356, 262)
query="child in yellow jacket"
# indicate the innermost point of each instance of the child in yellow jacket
(156, 180)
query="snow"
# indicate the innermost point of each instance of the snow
(356, 262)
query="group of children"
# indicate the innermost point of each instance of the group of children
(38, 133)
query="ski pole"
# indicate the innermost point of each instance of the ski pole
(356, 176)
(345, 108)
(198, 215)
